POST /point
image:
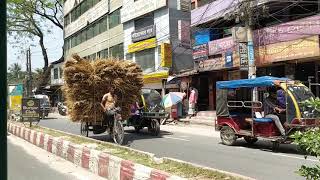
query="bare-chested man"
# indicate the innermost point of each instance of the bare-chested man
(109, 101)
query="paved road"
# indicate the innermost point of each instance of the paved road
(257, 161)
(28, 162)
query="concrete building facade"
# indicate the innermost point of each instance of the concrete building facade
(157, 37)
(93, 29)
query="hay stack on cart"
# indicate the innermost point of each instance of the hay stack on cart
(87, 81)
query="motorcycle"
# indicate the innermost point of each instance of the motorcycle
(62, 109)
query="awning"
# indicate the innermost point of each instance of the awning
(155, 77)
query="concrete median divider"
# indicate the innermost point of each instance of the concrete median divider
(99, 162)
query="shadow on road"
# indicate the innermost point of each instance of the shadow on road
(130, 136)
(267, 146)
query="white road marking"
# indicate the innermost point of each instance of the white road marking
(295, 157)
(180, 139)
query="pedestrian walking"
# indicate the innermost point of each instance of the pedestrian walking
(192, 102)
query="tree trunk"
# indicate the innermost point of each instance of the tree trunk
(44, 53)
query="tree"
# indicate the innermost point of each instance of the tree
(29, 19)
(15, 69)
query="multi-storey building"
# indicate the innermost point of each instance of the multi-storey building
(157, 37)
(93, 29)
(285, 42)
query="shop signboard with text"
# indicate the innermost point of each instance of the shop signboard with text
(290, 50)
(243, 55)
(142, 45)
(144, 33)
(288, 31)
(212, 64)
(220, 46)
(166, 55)
(30, 109)
(200, 52)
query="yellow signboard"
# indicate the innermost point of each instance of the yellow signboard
(155, 77)
(166, 55)
(15, 103)
(142, 45)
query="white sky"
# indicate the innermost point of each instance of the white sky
(53, 43)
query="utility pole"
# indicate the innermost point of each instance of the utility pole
(3, 92)
(29, 76)
(246, 11)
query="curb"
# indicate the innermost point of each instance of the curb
(208, 168)
(97, 162)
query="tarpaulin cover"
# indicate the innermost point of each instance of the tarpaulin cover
(263, 81)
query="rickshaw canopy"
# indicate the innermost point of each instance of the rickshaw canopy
(263, 81)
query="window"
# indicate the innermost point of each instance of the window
(73, 15)
(89, 32)
(83, 7)
(103, 24)
(129, 56)
(61, 72)
(114, 18)
(117, 51)
(78, 12)
(144, 21)
(103, 54)
(55, 73)
(67, 20)
(84, 35)
(95, 29)
(146, 59)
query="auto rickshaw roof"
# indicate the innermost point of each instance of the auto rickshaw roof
(263, 81)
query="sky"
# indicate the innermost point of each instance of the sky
(53, 43)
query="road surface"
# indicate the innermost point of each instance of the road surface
(28, 162)
(257, 161)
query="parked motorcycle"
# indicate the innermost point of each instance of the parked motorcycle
(62, 109)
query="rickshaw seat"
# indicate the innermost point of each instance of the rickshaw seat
(262, 120)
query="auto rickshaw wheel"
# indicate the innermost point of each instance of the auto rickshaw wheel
(84, 129)
(228, 136)
(250, 140)
(118, 133)
(154, 127)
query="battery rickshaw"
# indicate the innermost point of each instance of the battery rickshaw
(238, 116)
(150, 112)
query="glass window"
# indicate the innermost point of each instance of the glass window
(89, 32)
(117, 51)
(55, 73)
(104, 54)
(73, 15)
(144, 21)
(103, 24)
(129, 56)
(146, 59)
(95, 2)
(89, 3)
(83, 7)
(84, 35)
(96, 29)
(78, 12)
(61, 72)
(73, 41)
(114, 19)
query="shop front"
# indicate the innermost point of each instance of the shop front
(296, 59)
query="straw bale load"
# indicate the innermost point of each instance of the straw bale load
(87, 81)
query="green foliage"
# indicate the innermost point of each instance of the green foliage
(309, 144)
(312, 104)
